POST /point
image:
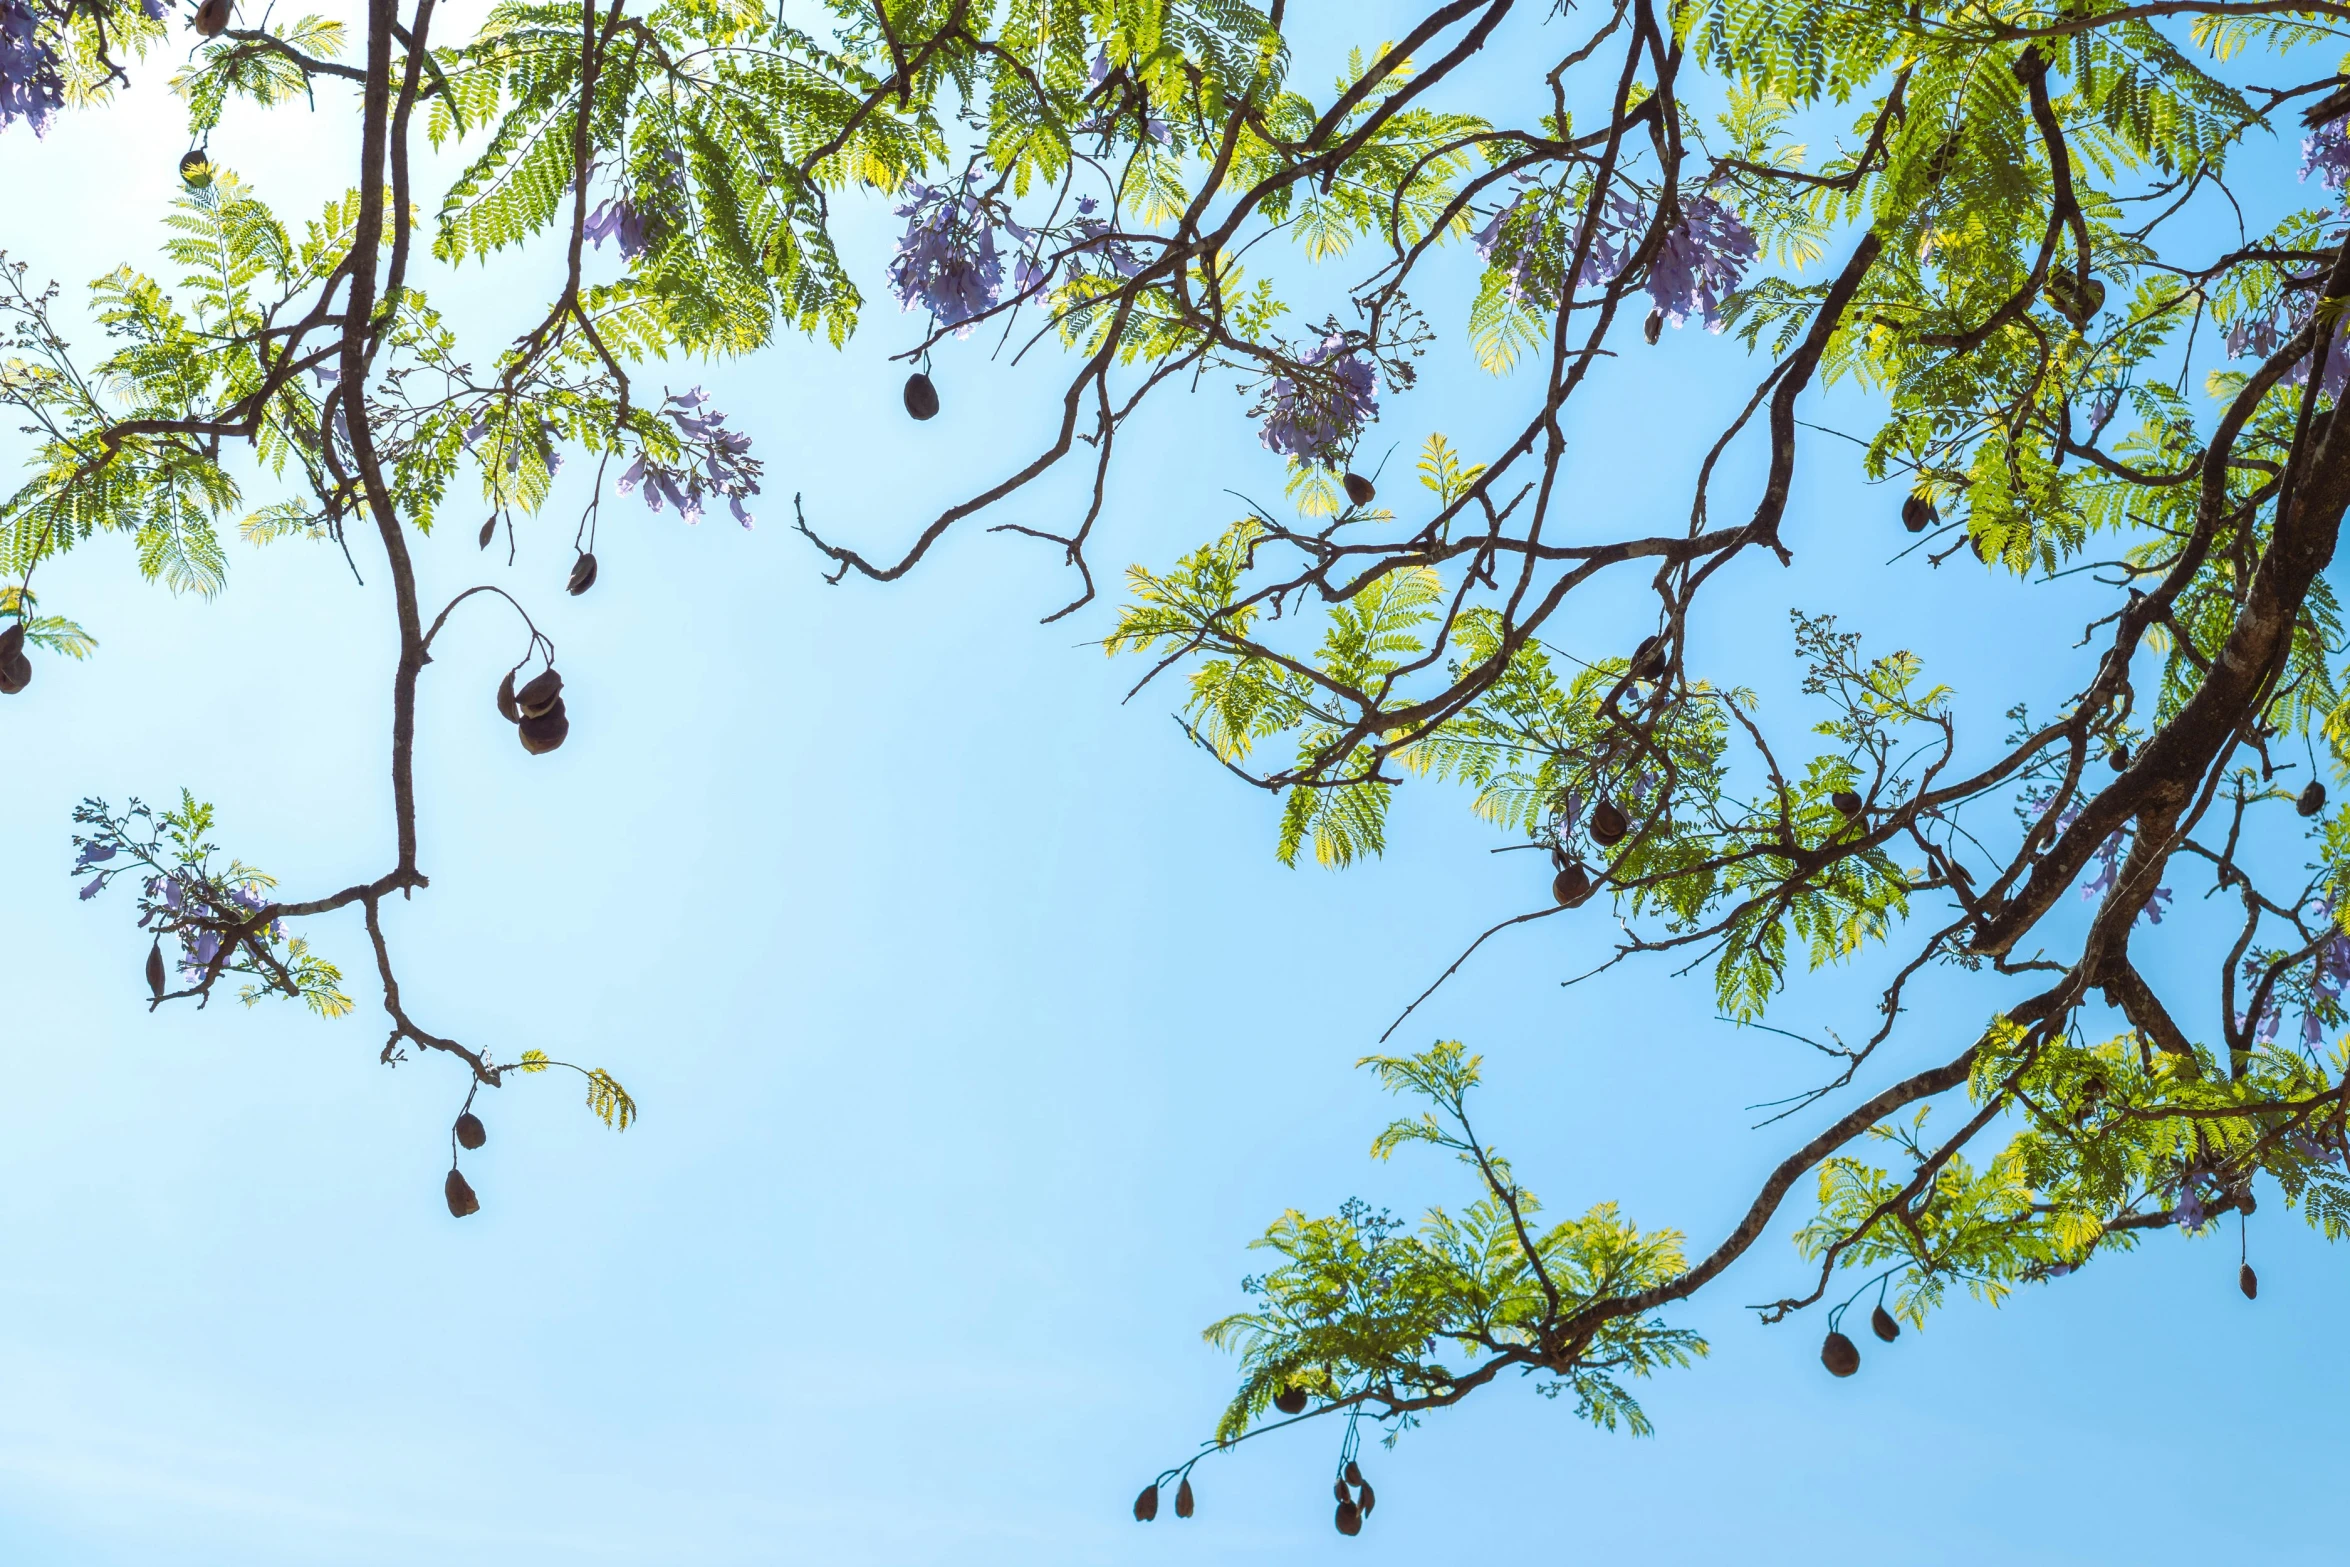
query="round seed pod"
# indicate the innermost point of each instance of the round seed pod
(1339, 1490)
(1918, 514)
(1354, 1476)
(470, 1132)
(2248, 1281)
(507, 707)
(1608, 825)
(1571, 885)
(195, 169)
(1359, 490)
(1350, 1518)
(155, 970)
(2313, 799)
(1648, 659)
(1882, 1324)
(12, 641)
(545, 732)
(460, 1194)
(921, 396)
(1183, 1500)
(1846, 801)
(1367, 1501)
(1654, 327)
(2119, 758)
(1290, 1400)
(539, 694)
(489, 531)
(583, 574)
(16, 672)
(1146, 1506)
(1840, 1355)
(212, 18)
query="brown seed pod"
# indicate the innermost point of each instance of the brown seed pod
(1840, 1355)
(1354, 1476)
(1571, 885)
(1350, 1518)
(540, 694)
(2248, 1281)
(1183, 1501)
(212, 18)
(2119, 758)
(195, 169)
(460, 1194)
(2313, 799)
(16, 672)
(583, 574)
(1918, 514)
(921, 396)
(155, 970)
(547, 731)
(470, 1132)
(1339, 1490)
(12, 641)
(1654, 327)
(1846, 801)
(489, 531)
(1648, 659)
(1368, 1500)
(1290, 1400)
(1146, 1506)
(1608, 825)
(507, 708)
(1359, 490)
(1882, 1324)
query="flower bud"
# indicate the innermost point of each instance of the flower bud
(461, 1199)
(921, 396)
(1840, 1355)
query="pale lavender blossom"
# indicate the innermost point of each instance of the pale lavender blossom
(947, 260)
(32, 88)
(1314, 414)
(2325, 152)
(717, 463)
(616, 218)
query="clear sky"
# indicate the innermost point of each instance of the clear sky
(976, 1030)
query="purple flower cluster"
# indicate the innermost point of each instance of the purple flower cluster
(1314, 413)
(93, 853)
(2107, 859)
(188, 901)
(726, 468)
(947, 261)
(31, 88)
(2258, 336)
(617, 218)
(1703, 259)
(2325, 152)
(2188, 1208)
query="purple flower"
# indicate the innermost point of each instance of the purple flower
(96, 882)
(2325, 152)
(2189, 1211)
(617, 218)
(717, 462)
(93, 853)
(2057, 1270)
(31, 87)
(2258, 335)
(946, 260)
(1701, 263)
(1314, 413)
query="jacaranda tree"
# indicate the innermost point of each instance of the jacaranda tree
(2023, 249)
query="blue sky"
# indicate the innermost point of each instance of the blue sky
(976, 1031)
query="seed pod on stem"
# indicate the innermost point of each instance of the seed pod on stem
(1146, 1506)
(1846, 802)
(212, 18)
(921, 396)
(1571, 885)
(1290, 1400)
(470, 1132)
(1350, 1518)
(583, 574)
(1359, 490)
(459, 1192)
(1840, 1355)
(1183, 1500)
(1882, 1324)
(2313, 799)
(2248, 1281)
(1609, 824)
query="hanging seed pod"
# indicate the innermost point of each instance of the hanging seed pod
(2313, 799)
(155, 970)
(2119, 758)
(489, 531)
(460, 1194)
(212, 18)
(583, 574)
(1654, 327)
(1359, 490)
(195, 169)
(2248, 1281)
(545, 732)
(1146, 1506)
(1367, 1501)
(540, 694)
(1183, 1501)
(1350, 1518)
(1882, 1324)
(11, 642)
(470, 1132)
(1918, 514)
(1846, 802)
(1290, 1400)
(16, 672)
(1354, 1476)
(1840, 1355)
(508, 709)
(1648, 659)
(1571, 885)
(1608, 825)
(921, 396)
(1339, 1490)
